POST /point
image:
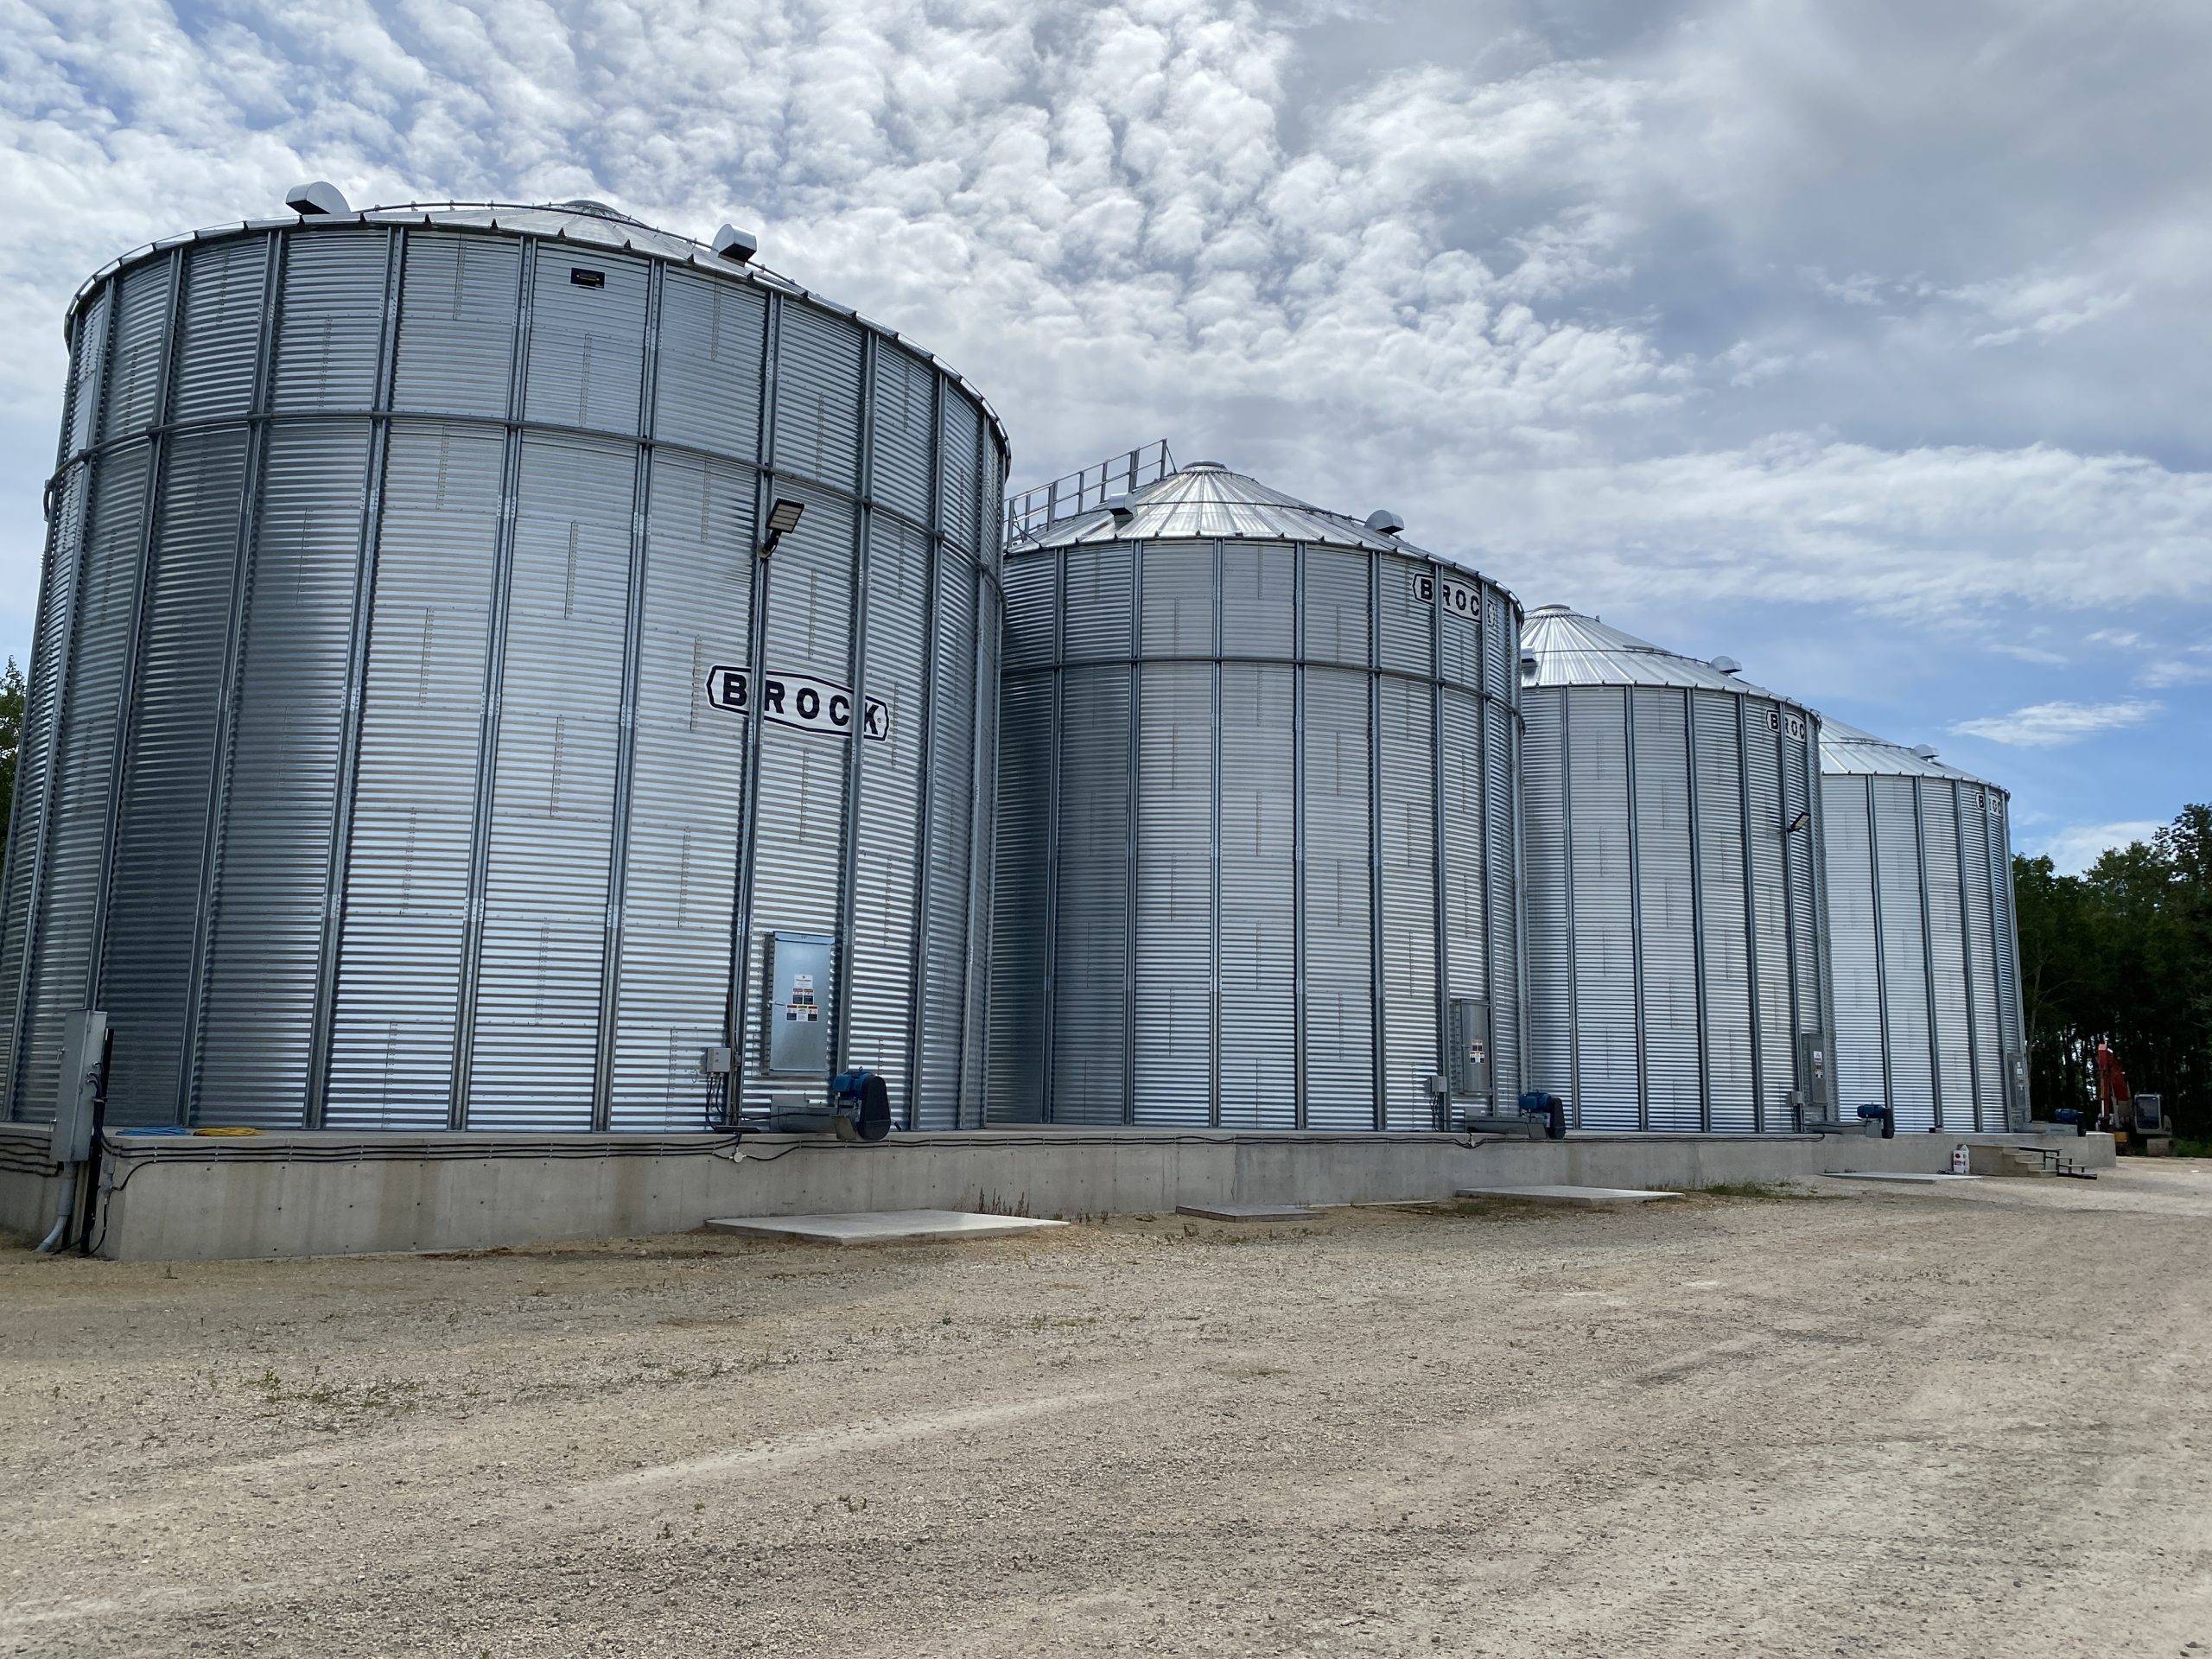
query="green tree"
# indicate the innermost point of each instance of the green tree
(2123, 954)
(11, 740)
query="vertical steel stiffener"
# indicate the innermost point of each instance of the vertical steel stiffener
(371, 775)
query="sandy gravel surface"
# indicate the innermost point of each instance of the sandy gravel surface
(1959, 1421)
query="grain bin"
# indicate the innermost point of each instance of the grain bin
(1923, 937)
(1257, 860)
(386, 761)
(1677, 962)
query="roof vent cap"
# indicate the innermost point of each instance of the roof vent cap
(586, 205)
(1204, 467)
(1527, 666)
(318, 199)
(1383, 522)
(1925, 750)
(1727, 665)
(1119, 506)
(735, 245)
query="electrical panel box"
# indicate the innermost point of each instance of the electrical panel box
(2016, 1088)
(1470, 1047)
(800, 973)
(83, 1057)
(1816, 1083)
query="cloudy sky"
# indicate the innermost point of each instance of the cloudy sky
(1864, 342)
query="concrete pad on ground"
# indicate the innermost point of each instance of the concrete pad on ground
(1587, 1197)
(1248, 1211)
(1910, 1178)
(880, 1226)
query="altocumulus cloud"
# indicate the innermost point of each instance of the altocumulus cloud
(1555, 288)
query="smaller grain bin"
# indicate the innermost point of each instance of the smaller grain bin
(1256, 831)
(1677, 967)
(1923, 937)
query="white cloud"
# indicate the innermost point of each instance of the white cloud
(2077, 846)
(2048, 725)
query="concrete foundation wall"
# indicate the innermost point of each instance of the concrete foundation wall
(30, 1184)
(319, 1194)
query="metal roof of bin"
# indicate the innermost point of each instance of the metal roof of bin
(1845, 749)
(1205, 500)
(1561, 646)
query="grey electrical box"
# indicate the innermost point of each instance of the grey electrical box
(1470, 1047)
(799, 967)
(2016, 1088)
(84, 1055)
(1814, 1080)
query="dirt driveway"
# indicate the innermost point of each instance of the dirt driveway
(1963, 1420)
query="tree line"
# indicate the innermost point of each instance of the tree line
(2123, 955)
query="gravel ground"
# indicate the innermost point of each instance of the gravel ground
(1969, 1420)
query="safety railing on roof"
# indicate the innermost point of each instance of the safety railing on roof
(1033, 509)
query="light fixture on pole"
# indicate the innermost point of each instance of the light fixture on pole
(783, 518)
(1803, 821)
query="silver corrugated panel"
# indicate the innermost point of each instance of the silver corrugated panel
(61, 972)
(1406, 814)
(546, 880)
(904, 387)
(686, 786)
(1097, 613)
(1467, 920)
(1177, 598)
(1548, 899)
(974, 1057)
(1666, 938)
(1723, 940)
(161, 842)
(1771, 910)
(27, 822)
(706, 387)
(1021, 896)
(1505, 953)
(586, 339)
(456, 324)
(330, 319)
(414, 789)
(1598, 863)
(1946, 958)
(959, 465)
(1259, 881)
(220, 318)
(88, 373)
(818, 397)
(1904, 961)
(1339, 903)
(1259, 589)
(947, 874)
(2004, 926)
(1800, 852)
(1090, 982)
(1337, 610)
(1031, 587)
(1862, 1076)
(1986, 1034)
(266, 929)
(134, 371)
(1173, 1040)
(883, 870)
(1402, 616)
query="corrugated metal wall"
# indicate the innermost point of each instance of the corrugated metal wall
(1925, 956)
(1228, 772)
(1674, 944)
(370, 776)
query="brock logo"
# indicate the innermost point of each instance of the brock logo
(799, 701)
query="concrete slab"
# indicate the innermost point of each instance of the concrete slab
(1910, 1178)
(1589, 1197)
(880, 1226)
(1248, 1211)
